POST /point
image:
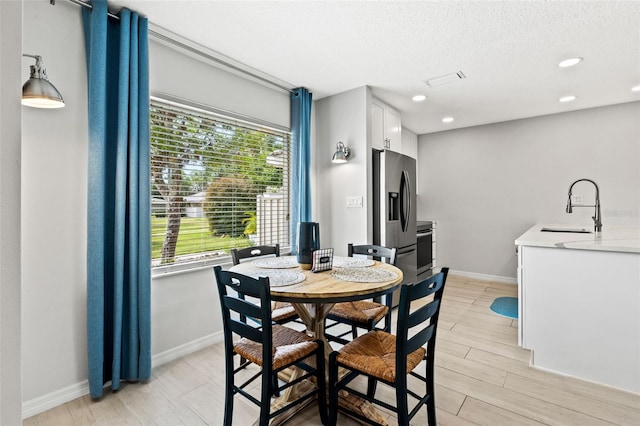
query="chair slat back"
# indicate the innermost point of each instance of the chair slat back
(239, 255)
(232, 289)
(420, 338)
(424, 318)
(379, 253)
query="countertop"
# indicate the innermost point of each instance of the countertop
(619, 239)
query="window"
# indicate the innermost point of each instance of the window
(217, 183)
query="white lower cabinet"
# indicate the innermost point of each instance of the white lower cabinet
(579, 313)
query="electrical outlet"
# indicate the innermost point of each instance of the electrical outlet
(355, 202)
(576, 199)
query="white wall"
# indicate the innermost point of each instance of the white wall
(184, 307)
(486, 185)
(11, 79)
(342, 117)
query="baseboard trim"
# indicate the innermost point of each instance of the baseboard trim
(496, 278)
(46, 402)
(186, 349)
(53, 399)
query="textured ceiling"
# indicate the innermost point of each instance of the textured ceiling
(509, 51)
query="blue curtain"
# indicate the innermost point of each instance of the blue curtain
(118, 217)
(300, 160)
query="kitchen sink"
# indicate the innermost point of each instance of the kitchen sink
(572, 230)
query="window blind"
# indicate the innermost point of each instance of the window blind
(217, 183)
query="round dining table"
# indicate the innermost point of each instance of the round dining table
(313, 294)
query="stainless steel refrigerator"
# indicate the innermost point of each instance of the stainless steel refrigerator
(394, 209)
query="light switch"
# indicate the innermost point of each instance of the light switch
(355, 202)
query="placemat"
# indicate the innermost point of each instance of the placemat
(364, 275)
(351, 262)
(283, 262)
(277, 277)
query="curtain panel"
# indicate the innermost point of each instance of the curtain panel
(301, 101)
(118, 234)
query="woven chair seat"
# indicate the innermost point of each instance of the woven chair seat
(288, 345)
(361, 311)
(374, 353)
(280, 311)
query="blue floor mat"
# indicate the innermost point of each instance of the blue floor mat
(507, 306)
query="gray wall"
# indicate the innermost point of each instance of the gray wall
(486, 185)
(11, 79)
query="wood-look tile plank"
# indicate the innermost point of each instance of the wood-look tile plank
(445, 418)
(568, 384)
(112, 411)
(449, 347)
(607, 411)
(153, 404)
(471, 316)
(485, 414)
(471, 368)
(515, 402)
(497, 333)
(448, 399)
(59, 415)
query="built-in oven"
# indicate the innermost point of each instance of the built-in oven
(424, 234)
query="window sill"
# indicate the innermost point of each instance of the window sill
(160, 272)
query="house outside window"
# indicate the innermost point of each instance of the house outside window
(217, 182)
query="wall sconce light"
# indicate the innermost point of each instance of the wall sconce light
(38, 92)
(342, 154)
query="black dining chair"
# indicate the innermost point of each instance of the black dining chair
(364, 314)
(281, 312)
(272, 347)
(391, 359)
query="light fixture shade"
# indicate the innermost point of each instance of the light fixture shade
(38, 92)
(341, 155)
(338, 157)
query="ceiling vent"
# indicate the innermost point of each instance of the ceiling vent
(445, 79)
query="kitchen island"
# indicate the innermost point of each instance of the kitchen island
(579, 302)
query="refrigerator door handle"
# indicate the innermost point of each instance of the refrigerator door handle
(405, 201)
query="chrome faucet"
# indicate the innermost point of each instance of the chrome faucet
(597, 219)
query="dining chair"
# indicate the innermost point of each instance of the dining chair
(363, 313)
(391, 359)
(272, 347)
(281, 312)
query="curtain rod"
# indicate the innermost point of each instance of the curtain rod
(191, 49)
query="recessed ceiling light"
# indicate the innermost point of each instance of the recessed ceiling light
(636, 88)
(447, 119)
(567, 98)
(418, 98)
(570, 62)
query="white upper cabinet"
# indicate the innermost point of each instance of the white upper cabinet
(377, 126)
(386, 127)
(409, 143)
